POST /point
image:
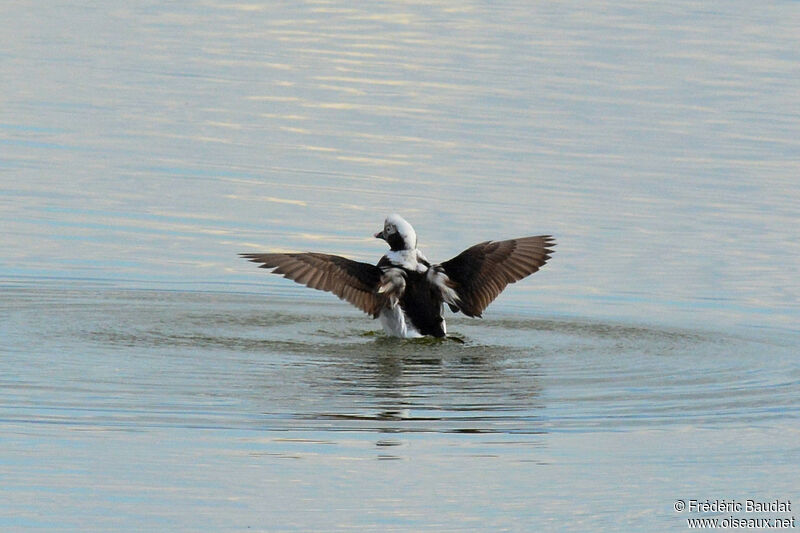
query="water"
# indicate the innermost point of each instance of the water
(153, 380)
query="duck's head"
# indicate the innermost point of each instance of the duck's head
(398, 233)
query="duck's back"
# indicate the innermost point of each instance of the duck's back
(422, 305)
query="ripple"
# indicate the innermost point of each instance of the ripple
(138, 359)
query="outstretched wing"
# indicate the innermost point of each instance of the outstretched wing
(483, 271)
(350, 280)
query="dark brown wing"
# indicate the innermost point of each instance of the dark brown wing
(350, 280)
(483, 271)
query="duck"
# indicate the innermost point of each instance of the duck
(405, 291)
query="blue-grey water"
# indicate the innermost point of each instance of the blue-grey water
(152, 380)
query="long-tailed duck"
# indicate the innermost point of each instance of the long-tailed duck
(404, 290)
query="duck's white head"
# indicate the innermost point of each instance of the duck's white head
(398, 233)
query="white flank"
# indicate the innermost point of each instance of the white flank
(395, 323)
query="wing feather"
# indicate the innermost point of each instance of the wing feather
(316, 281)
(484, 270)
(352, 281)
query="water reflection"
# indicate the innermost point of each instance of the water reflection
(442, 387)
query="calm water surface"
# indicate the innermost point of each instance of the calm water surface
(151, 380)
